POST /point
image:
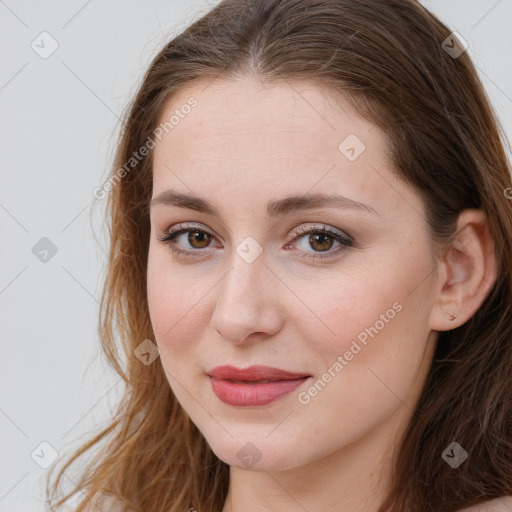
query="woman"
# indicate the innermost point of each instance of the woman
(310, 271)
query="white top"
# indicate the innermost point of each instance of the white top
(503, 504)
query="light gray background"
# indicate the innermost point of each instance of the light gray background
(58, 121)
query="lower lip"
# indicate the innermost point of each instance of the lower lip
(243, 394)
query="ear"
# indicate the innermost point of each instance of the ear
(467, 272)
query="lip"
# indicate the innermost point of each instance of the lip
(244, 387)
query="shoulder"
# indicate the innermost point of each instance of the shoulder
(503, 504)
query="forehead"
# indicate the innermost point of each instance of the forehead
(252, 140)
(228, 109)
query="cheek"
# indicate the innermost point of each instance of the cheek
(372, 320)
(374, 354)
(175, 299)
(347, 304)
(380, 330)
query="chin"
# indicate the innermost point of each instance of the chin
(256, 453)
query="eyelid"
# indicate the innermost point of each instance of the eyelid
(180, 230)
(324, 228)
(344, 239)
(296, 231)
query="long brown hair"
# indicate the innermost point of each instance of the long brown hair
(391, 59)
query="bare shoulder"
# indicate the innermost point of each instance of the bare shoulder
(503, 504)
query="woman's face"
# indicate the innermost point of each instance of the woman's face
(261, 284)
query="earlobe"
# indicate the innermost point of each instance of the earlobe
(467, 272)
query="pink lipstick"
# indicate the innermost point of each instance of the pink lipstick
(256, 385)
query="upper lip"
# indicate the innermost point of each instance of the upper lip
(253, 373)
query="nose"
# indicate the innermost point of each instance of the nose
(247, 303)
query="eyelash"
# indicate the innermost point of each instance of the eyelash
(345, 240)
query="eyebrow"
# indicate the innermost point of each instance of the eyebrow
(274, 207)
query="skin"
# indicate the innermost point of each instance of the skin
(241, 146)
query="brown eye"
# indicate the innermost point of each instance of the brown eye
(200, 237)
(187, 241)
(321, 242)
